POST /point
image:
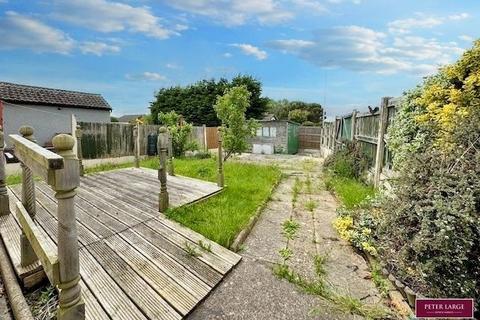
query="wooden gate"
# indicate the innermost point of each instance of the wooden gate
(212, 137)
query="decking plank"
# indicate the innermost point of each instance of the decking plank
(96, 230)
(211, 259)
(157, 244)
(86, 212)
(179, 195)
(164, 284)
(138, 191)
(198, 189)
(93, 309)
(139, 291)
(112, 298)
(105, 202)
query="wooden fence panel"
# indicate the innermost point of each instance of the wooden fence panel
(106, 140)
(309, 137)
(212, 137)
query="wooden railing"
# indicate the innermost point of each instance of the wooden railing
(61, 171)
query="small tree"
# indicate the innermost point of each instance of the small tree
(231, 108)
(180, 132)
(298, 115)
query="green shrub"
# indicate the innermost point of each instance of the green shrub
(203, 155)
(349, 162)
(429, 233)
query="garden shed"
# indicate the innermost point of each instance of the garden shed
(276, 136)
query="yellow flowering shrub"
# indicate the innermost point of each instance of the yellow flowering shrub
(344, 226)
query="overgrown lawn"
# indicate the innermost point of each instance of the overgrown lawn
(222, 217)
(351, 192)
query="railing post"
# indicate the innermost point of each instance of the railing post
(136, 145)
(382, 125)
(220, 176)
(27, 255)
(4, 201)
(71, 305)
(79, 134)
(170, 167)
(162, 145)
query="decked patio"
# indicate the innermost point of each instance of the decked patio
(134, 263)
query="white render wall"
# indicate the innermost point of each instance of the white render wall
(47, 121)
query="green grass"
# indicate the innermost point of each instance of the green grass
(107, 167)
(13, 179)
(351, 192)
(222, 217)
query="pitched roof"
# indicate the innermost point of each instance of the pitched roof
(129, 117)
(19, 93)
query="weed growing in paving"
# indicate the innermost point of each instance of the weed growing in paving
(191, 250)
(320, 288)
(378, 279)
(205, 246)
(310, 205)
(289, 230)
(296, 189)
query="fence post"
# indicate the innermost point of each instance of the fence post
(170, 168)
(71, 305)
(162, 145)
(205, 137)
(220, 175)
(136, 145)
(382, 125)
(78, 134)
(4, 200)
(354, 123)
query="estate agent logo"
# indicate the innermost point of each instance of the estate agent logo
(444, 308)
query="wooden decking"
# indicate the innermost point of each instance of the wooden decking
(135, 263)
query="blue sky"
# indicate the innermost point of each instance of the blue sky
(342, 53)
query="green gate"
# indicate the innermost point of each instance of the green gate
(292, 137)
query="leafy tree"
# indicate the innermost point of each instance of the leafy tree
(298, 115)
(180, 132)
(195, 102)
(236, 129)
(113, 119)
(282, 109)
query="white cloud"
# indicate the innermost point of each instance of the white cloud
(172, 66)
(422, 21)
(460, 16)
(362, 49)
(98, 48)
(19, 31)
(235, 12)
(227, 55)
(22, 32)
(109, 16)
(250, 50)
(405, 25)
(311, 5)
(146, 76)
(465, 37)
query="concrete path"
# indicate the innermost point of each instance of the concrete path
(251, 291)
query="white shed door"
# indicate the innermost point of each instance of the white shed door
(263, 148)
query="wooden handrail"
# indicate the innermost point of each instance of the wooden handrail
(61, 171)
(41, 161)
